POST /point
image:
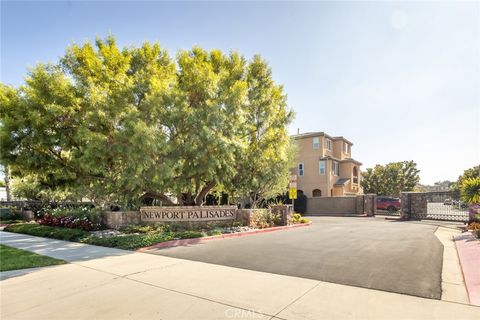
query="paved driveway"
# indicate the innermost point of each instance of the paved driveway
(373, 253)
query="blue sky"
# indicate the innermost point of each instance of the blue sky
(399, 79)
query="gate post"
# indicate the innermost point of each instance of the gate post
(413, 205)
(371, 204)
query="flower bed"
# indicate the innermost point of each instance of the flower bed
(84, 218)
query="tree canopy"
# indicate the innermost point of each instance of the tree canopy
(114, 124)
(470, 173)
(391, 179)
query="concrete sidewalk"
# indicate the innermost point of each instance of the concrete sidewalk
(65, 250)
(132, 285)
(469, 252)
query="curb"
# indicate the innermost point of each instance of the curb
(347, 215)
(468, 248)
(184, 242)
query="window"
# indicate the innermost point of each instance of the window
(345, 147)
(316, 143)
(336, 169)
(317, 193)
(300, 169)
(328, 144)
(321, 167)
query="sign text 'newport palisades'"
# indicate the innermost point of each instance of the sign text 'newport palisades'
(206, 213)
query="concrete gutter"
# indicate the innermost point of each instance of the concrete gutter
(453, 285)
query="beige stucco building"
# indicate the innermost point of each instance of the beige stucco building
(325, 166)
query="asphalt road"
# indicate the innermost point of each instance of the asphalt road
(372, 253)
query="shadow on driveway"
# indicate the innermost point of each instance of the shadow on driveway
(365, 252)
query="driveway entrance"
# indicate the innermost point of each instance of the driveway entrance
(400, 257)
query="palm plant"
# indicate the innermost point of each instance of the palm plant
(471, 190)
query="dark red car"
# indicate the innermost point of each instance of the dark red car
(388, 203)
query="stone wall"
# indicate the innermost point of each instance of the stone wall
(366, 204)
(255, 217)
(413, 205)
(244, 216)
(118, 219)
(285, 211)
(27, 215)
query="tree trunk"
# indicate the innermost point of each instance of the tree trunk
(190, 201)
(180, 199)
(165, 200)
(205, 190)
(7, 184)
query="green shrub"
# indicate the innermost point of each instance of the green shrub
(264, 218)
(128, 242)
(143, 228)
(8, 213)
(47, 231)
(297, 218)
(189, 234)
(214, 232)
(304, 220)
(136, 241)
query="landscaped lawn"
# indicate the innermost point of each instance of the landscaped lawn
(135, 239)
(13, 259)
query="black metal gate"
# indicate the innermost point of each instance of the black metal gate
(446, 205)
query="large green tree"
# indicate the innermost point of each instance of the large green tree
(88, 123)
(263, 166)
(391, 179)
(114, 124)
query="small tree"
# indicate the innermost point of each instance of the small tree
(470, 173)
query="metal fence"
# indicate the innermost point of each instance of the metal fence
(447, 206)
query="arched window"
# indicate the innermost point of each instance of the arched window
(355, 175)
(317, 193)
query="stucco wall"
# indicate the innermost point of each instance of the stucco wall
(312, 179)
(331, 205)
